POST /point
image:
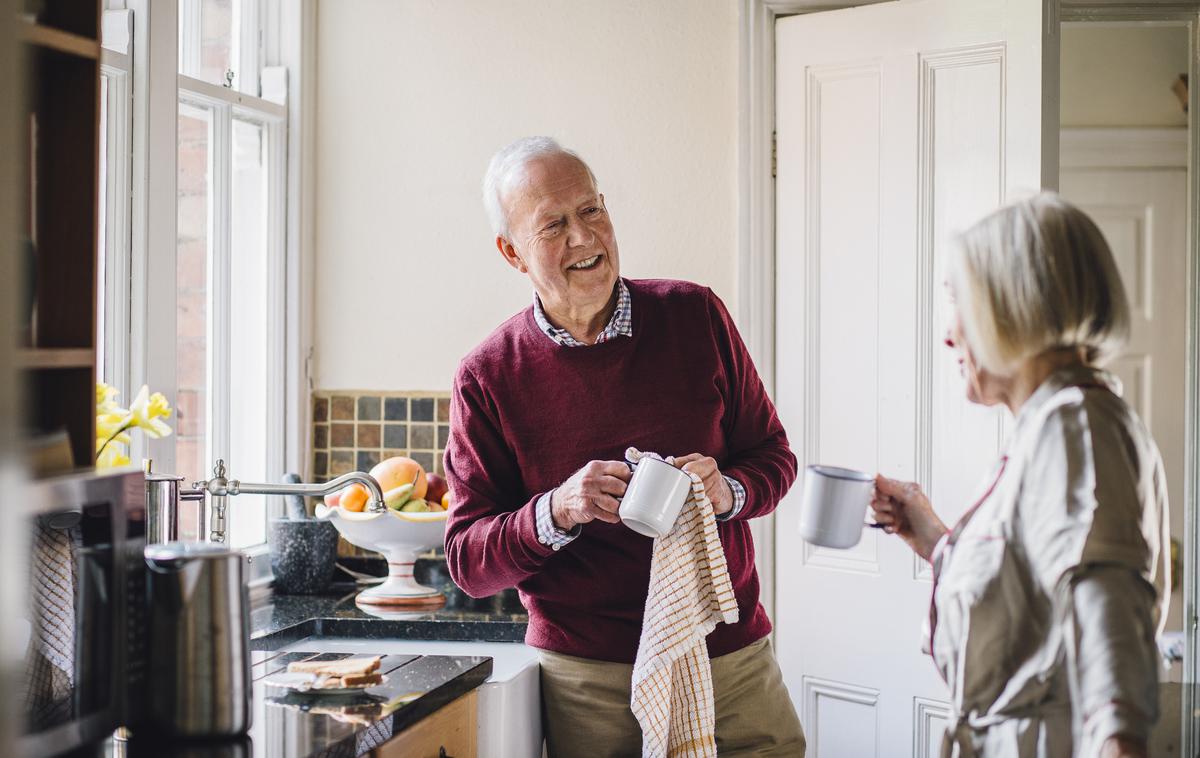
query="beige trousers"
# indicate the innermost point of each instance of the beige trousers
(585, 707)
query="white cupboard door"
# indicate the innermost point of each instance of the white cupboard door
(898, 124)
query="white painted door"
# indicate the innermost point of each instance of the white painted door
(897, 125)
(1142, 211)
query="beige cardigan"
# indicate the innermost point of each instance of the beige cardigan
(1049, 593)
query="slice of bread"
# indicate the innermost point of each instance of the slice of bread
(342, 668)
(364, 680)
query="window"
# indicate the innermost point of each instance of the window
(205, 324)
(229, 258)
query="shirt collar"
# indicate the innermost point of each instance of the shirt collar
(1072, 376)
(620, 325)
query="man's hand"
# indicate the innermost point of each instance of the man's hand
(590, 494)
(714, 482)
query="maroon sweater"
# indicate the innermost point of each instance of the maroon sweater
(527, 413)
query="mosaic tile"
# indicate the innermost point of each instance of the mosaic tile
(341, 435)
(368, 436)
(342, 408)
(341, 462)
(424, 459)
(395, 435)
(368, 408)
(422, 409)
(420, 436)
(395, 409)
(355, 430)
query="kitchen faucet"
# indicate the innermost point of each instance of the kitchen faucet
(220, 487)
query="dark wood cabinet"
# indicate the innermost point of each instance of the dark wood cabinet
(59, 133)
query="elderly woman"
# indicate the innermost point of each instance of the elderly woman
(1049, 591)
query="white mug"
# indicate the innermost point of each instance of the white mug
(835, 505)
(654, 498)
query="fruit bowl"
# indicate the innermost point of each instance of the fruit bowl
(400, 537)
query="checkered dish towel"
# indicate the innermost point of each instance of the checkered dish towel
(690, 593)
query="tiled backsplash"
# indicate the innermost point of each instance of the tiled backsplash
(352, 431)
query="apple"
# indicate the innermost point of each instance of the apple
(437, 488)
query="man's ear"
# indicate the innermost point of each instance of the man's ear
(511, 255)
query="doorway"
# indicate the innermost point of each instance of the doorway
(1123, 160)
(874, 173)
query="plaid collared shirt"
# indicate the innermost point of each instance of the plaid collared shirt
(620, 325)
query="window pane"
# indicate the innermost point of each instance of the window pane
(209, 33)
(249, 337)
(194, 220)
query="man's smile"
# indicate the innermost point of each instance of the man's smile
(585, 264)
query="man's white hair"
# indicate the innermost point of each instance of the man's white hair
(507, 167)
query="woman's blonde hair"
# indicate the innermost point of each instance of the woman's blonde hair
(1037, 275)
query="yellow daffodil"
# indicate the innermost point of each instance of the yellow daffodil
(111, 457)
(106, 397)
(114, 422)
(147, 412)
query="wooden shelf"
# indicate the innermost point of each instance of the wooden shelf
(60, 41)
(70, 357)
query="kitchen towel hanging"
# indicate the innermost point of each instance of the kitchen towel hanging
(690, 593)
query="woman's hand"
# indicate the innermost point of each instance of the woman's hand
(715, 486)
(1123, 747)
(902, 509)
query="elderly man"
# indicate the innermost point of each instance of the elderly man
(542, 413)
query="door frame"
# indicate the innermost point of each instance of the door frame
(1185, 13)
(756, 213)
(756, 257)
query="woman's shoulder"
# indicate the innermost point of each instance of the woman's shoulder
(1090, 480)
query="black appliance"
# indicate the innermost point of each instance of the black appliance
(85, 655)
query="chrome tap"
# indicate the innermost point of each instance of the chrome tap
(219, 488)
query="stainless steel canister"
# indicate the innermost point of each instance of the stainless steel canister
(173, 513)
(199, 639)
(162, 508)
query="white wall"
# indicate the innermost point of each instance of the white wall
(413, 98)
(1122, 76)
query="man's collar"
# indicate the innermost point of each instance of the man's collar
(620, 325)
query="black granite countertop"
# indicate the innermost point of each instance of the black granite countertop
(278, 620)
(289, 723)
(295, 724)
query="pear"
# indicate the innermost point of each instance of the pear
(396, 498)
(415, 505)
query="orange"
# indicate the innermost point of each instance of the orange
(354, 497)
(446, 501)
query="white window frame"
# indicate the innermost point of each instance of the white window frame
(116, 65)
(150, 347)
(118, 240)
(226, 104)
(247, 56)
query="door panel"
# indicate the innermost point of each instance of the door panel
(1142, 214)
(898, 124)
